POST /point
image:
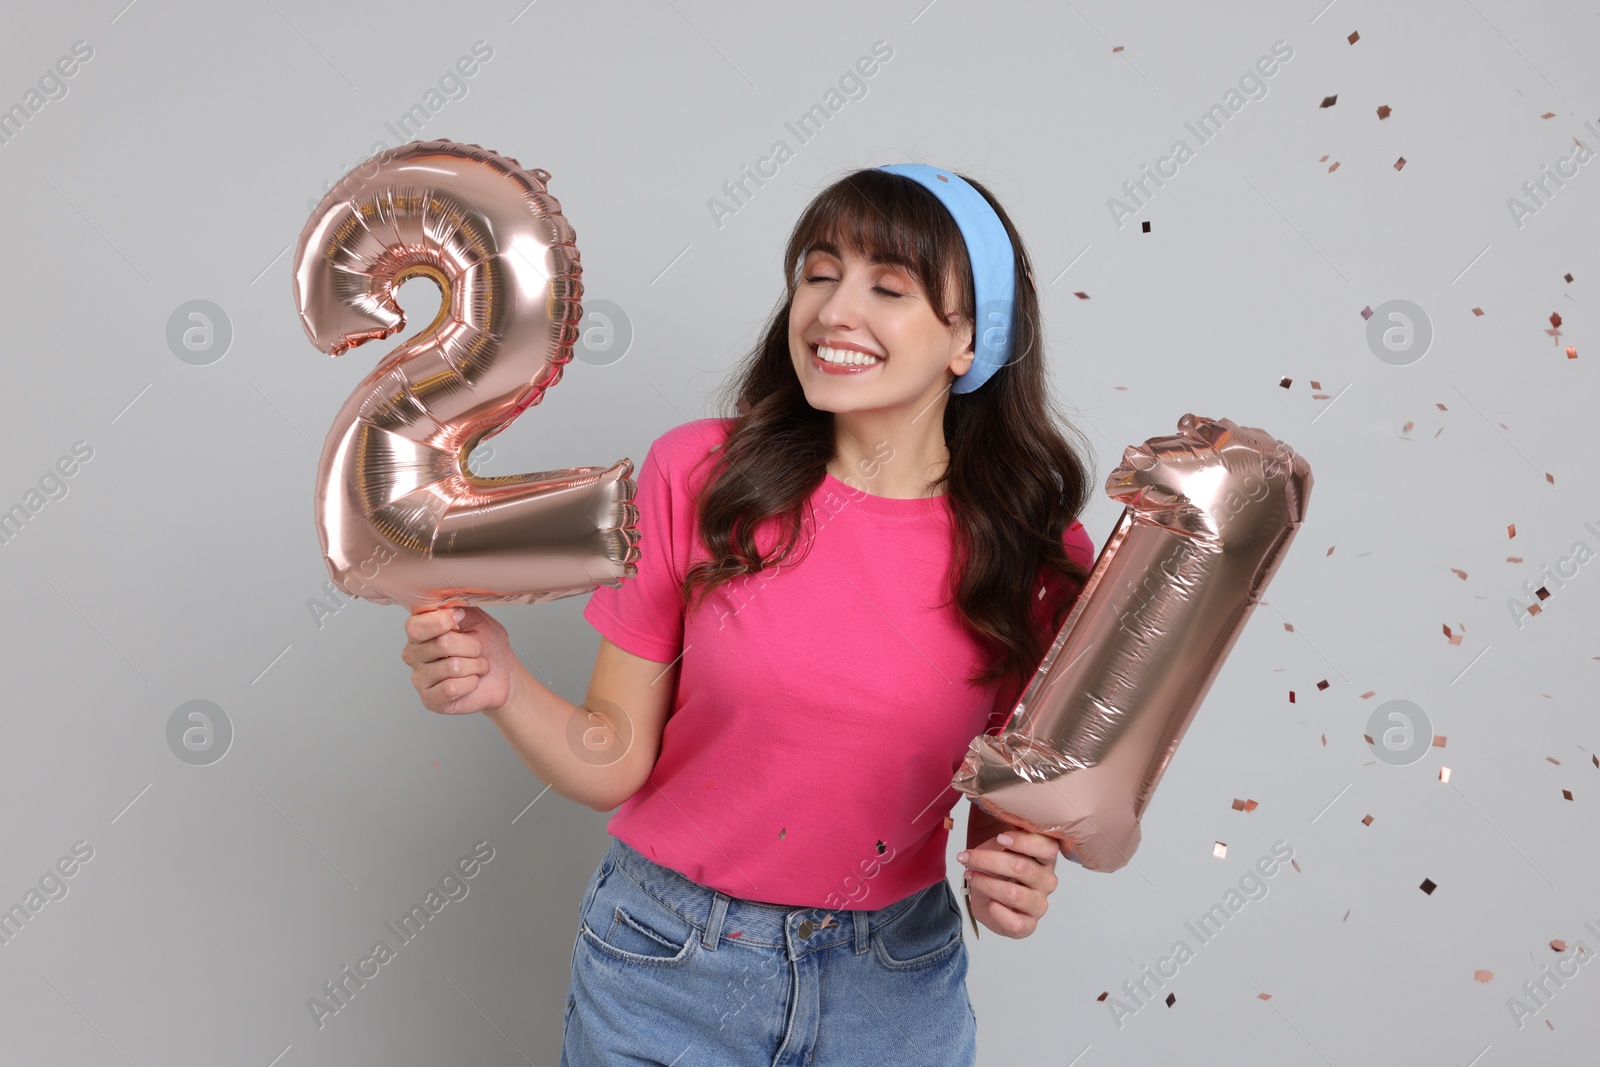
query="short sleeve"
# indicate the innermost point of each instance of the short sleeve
(644, 615)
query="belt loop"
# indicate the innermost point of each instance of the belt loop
(859, 920)
(713, 931)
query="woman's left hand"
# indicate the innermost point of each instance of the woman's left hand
(1009, 878)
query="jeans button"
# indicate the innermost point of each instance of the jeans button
(805, 928)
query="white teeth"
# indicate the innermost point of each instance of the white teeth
(846, 357)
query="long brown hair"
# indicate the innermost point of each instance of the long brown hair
(1014, 482)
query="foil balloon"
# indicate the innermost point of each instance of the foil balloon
(401, 517)
(1209, 513)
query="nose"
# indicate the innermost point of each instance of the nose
(842, 308)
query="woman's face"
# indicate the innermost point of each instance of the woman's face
(854, 307)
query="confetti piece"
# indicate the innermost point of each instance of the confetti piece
(1483, 976)
(1549, 477)
(1428, 886)
(1558, 945)
(949, 823)
(1459, 573)
(1366, 820)
(1295, 864)
(1572, 353)
(1368, 739)
(1316, 385)
(1346, 914)
(1244, 805)
(882, 848)
(1328, 553)
(1354, 37)
(1552, 759)
(1444, 774)
(1324, 740)
(1322, 684)
(1291, 696)
(1596, 760)
(1369, 694)
(1567, 793)
(1511, 530)
(1548, 115)
(1555, 319)
(1366, 312)
(1285, 382)
(1440, 406)
(1081, 296)
(1455, 639)
(1289, 626)
(737, 933)
(1104, 995)
(1438, 740)
(1171, 998)
(1333, 167)
(1567, 277)
(1144, 227)
(1477, 311)
(1118, 48)
(1219, 850)
(1263, 996)
(435, 764)
(1384, 111)
(1400, 163)
(1407, 427)
(1513, 559)
(1328, 101)
(784, 830)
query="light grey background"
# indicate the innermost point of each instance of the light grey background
(180, 166)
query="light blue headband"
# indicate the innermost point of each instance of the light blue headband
(993, 267)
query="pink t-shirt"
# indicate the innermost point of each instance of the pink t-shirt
(822, 705)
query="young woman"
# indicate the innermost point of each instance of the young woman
(837, 589)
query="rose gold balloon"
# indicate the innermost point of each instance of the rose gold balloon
(1209, 514)
(401, 518)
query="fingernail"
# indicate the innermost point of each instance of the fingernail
(460, 615)
(1005, 839)
(961, 857)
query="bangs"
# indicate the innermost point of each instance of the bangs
(887, 218)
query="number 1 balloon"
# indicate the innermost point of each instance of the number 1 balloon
(401, 518)
(1208, 516)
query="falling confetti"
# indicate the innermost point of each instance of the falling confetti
(1444, 774)
(1558, 945)
(1438, 740)
(1552, 759)
(1483, 976)
(1428, 886)
(1263, 996)
(1459, 573)
(1081, 296)
(784, 830)
(1354, 37)
(1511, 531)
(1477, 311)
(1104, 995)
(1244, 805)
(1384, 111)
(1324, 740)
(1171, 998)
(1285, 382)
(1291, 696)
(1369, 694)
(1455, 639)
(949, 823)
(882, 848)
(1366, 820)
(1328, 101)
(1219, 850)
(1366, 312)
(1289, 626)
(1322, 684)
(1295, 864)
(1567, 793)
(1117, 48)
(1400, 163)
(1572, 353)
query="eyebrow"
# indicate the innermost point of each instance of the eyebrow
(877, 257)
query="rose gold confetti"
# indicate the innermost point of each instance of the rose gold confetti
(1366, 820)
(1534, 609)
(1567, 793)
(1104, 995)
(1407, 428)
(1567, 277)
(1483, 976)
(1291, 696)
(949, 823)
(1244, 805)
(1549, 1024)
(1346, 914)
(1558, 945)
(435, 764)
(1295, 864)
(1219, 850)
(1289, 627)
(1333, 167)
(1171, 998)
(1324, 159)
(1440, 406)
(1548, 115)
(737, 933)
(1118, 48)
(783, 831)
(1366, 312)
(1428, 886)
(1477, 311)
(1368, 739)
(1384, 110)
(1328, 101)
(1081, 296)
(1555, 319)
(1444, 774)
(1572, 353)
(1552, 759)
(1513, 559)
(1316, 385)
(1320, 396)
(1285, 382)
(1324, 740)
(1354, 37)
(1369, 694)
(1596, 760)
(1438, 740)
(1459, 573)
(1124, 388)
(1455, 639)
(1549, 477)
(1542, 593)
(1400, 164)
(1322, 684)
(1263, 996)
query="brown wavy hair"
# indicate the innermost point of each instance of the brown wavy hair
(1014, 482)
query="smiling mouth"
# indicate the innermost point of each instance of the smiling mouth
(843, 358)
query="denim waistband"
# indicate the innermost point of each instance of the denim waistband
(720, 917)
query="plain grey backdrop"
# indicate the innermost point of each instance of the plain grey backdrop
(179, 562)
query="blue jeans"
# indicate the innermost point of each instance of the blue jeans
(668, 971)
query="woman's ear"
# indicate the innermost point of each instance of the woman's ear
(961, 344)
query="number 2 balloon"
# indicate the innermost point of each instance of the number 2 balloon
(401, 518)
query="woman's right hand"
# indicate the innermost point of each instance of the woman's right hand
(459, 667)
